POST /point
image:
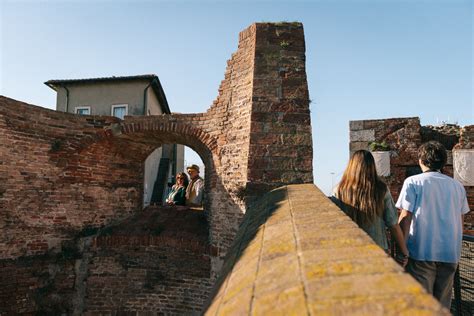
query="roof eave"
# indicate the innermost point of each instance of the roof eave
(155, 83)
(52, 86)
(160, 94)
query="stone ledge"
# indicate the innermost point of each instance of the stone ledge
(297, 253)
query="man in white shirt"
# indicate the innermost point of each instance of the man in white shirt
(195, 189)
(432, 216)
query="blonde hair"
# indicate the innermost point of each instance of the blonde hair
(361, 189)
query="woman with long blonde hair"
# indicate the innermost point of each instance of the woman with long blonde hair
(365, 198)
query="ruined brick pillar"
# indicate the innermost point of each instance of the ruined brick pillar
(280, 149)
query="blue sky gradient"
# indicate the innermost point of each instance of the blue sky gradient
(365, 59)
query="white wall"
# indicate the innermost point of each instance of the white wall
(152, 163)
(153, 106)
(180, 158)
(100, 96)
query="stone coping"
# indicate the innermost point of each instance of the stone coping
(297, 253)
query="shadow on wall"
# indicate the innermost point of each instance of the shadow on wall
(122, 266)
(220, 207)
(257, 215)
(77, 187)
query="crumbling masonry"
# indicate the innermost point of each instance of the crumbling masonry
(75, 239)
(65, 179)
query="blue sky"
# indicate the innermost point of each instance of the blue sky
(365, 59)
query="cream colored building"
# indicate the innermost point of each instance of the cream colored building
(121, 96)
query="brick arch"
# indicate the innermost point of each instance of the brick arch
(164, 129)
(136, 139)
(182, 129)
(113, 157)
(146, 132)
(168, 127)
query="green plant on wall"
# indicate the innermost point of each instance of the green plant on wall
(383, 146)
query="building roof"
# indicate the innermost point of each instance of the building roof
(152, 78)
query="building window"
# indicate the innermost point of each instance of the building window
(120, 110)
(82, 110)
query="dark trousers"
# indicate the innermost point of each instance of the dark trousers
(436, 277)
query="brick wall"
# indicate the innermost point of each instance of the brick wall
(41, 284)
(52, 185)
(155, 261)
(404, 136)
(63, 174)
(65, 166)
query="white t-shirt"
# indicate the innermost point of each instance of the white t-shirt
(195, 192)
(437, 203)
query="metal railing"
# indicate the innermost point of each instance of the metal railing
(463, 291)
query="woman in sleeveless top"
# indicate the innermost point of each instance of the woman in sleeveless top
(365, 198)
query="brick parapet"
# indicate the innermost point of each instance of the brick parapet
(297, 253)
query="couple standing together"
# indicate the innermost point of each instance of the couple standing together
(428, 231)
(185, 192)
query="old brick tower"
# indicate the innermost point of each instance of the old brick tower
(74, 235)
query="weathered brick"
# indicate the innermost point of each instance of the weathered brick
(62, 175)
(366, 135)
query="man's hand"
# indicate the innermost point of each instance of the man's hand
(402, 259)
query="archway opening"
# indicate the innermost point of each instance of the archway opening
(162, 166)
(186, 157)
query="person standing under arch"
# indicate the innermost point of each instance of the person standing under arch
(195, 189)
